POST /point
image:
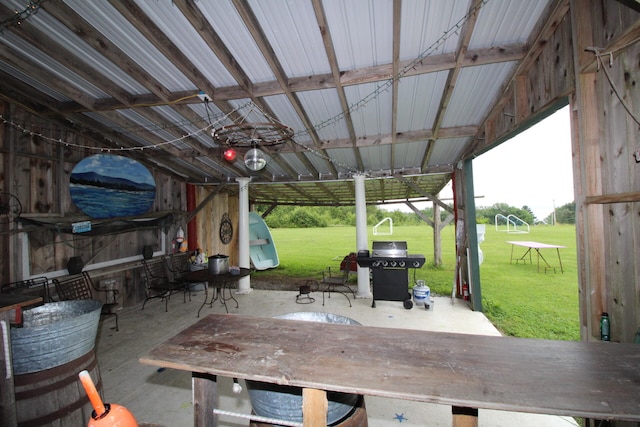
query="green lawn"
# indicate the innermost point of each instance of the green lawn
(517, 298)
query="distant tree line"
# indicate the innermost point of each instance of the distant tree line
(329, 216)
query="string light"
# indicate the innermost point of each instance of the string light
(20, 16)
(384, 86)
(139, 148)
(34, 6)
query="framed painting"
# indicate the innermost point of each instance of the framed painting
(108, 186)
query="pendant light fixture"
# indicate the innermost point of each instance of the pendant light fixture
(255, 159)
(265, 133)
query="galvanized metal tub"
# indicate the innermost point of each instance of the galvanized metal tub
(54, 334)
(285, 402)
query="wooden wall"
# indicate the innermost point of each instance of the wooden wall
(36, 166)
(607, 174)
(605, 137)
(208, 222)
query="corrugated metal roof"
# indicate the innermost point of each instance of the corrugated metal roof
(140, 67)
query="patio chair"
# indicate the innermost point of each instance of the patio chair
(336, 281)
(37, 286)
(178, 264)
(80, 287)
(159, 284)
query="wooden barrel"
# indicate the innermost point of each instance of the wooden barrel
(357, 418)
(55, 396)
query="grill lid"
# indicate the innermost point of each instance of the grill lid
(390, 249)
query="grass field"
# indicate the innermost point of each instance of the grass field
(517, 298)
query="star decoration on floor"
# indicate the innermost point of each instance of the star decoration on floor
(400, 417)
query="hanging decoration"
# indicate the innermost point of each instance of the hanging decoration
(243, 134)
(10, 208)
(226, 229)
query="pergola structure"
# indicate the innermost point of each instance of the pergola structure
(406, 93)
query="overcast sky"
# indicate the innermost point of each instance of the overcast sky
(533, 169)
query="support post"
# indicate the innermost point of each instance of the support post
(464, 417)
(205, 399)
(244, 284)
(314, 407)
(362, 242)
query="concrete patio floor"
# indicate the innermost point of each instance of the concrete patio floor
(163, 396)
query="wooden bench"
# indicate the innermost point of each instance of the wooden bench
(598, 380)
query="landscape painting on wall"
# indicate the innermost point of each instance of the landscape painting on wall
(108, 186)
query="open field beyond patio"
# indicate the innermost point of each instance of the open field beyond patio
(520, 300)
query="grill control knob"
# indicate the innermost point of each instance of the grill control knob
(393, 263)
(385, 263)
(416, 264)
(401, 263)
(375, 264)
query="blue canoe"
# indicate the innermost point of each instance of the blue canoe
(262, 249)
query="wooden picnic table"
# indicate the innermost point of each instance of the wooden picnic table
(536, 246)
(599, 380)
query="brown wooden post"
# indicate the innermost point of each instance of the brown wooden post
(464, 417)
(205, 399)
(588, 178)
(314, 407)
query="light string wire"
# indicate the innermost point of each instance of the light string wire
(20, 16)
(380, 88)
(23, 129)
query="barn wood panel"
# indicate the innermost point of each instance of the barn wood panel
(208, 222)
(619, 176)
(590, 228)
(535, 89)
(552, 75)
(37, 169)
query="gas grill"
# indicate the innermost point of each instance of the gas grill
(390, 263)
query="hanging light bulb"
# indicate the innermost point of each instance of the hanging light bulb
(255, 159)
(229, 155)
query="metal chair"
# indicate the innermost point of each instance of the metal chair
(80, 286)
(178, 264)
(336, 281)
(158, 283)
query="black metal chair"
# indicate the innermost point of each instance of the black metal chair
(336, 281)
(80, 286)
(159, 284)
(37, 286)
(178, 264)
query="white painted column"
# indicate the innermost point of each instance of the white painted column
(244, 284)
(362, 241)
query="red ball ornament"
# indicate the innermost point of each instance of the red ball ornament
(230, 155)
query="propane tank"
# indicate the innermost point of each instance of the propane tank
(421, 293)
(105, 414)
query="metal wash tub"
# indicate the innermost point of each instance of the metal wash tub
(285, 402)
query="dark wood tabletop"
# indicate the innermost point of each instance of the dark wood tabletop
(204, 276)
(598, 380)
(9, 301)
